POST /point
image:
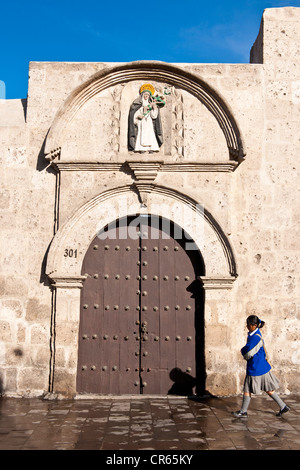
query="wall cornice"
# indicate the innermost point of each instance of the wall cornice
(64, 165)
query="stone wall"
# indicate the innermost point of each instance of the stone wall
(64, 149)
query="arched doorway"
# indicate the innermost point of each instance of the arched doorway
(142, 311)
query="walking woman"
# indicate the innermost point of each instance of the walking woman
(258, 376)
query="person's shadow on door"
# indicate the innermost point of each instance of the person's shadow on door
(183, 383)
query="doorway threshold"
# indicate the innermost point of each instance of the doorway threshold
(92, 396)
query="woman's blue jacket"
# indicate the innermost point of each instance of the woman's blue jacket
(254, 353)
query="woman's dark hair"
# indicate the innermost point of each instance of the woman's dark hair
(254, 320)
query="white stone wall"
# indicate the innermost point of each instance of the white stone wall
(256, 205)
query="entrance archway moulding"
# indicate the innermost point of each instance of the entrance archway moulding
(72, 240)
(144, 70)
(68, 248)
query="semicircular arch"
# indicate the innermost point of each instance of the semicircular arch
(82, 227)
(158, 71)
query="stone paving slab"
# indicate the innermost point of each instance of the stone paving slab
(148, 424)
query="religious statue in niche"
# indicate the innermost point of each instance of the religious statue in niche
(145, 132)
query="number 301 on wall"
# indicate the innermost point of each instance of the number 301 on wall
(70, 253)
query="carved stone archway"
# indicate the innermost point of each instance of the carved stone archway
(158, 71)
(74, 237)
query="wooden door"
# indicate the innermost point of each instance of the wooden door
(141, 318)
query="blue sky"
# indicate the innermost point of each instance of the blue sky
(112, 31)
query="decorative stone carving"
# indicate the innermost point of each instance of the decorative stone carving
(54, 154)
(145, 174)
(162, 73)
(145, 131)
(177, 123)
(114, 141)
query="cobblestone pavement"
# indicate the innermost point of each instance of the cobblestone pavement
(147, 423)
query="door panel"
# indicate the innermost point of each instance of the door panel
(106, 359)
(137, 326)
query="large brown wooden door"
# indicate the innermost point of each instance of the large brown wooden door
(141, 321)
